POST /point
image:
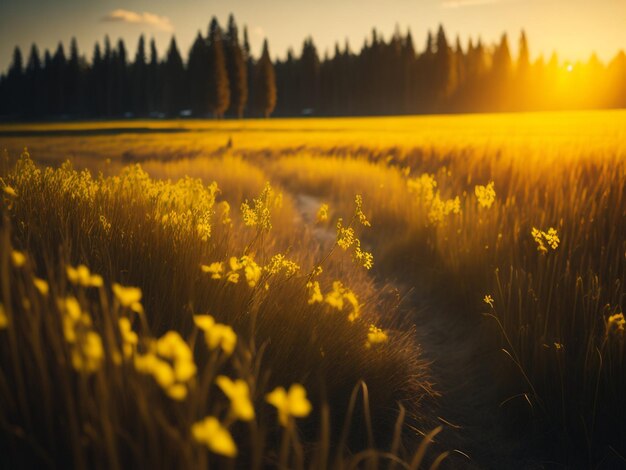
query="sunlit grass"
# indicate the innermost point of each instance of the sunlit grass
(515, 223)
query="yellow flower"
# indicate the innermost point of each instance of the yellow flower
(88, 354)
(82, 276)
(279, 263)
(18, 258)
(129, 337)
(170, 362)
(335, 297)
(322, 213)
(486, 195)
(358, 200)
(216, 334)
(217, 438)
(315, 293)
(375, 336)
(9, 191)
(214, 269)
(293, 403)
(238, 393)
(616, 323)
(488, 300)
(42, 286)
(129, 297)
(252, 270)
(4, 319)
(550, 238)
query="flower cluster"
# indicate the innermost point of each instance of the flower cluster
(86, 350)
(545, 239)
(486, 195)
(170, 362)
(375, 336)
(216, 335)
(259, 214)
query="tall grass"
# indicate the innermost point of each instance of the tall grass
(551, 309)
(156, 235)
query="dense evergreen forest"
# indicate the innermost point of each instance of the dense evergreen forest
(221, 78)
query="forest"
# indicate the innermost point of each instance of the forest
(221, 78)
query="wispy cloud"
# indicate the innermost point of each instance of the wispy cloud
(466, 3)
(161, 23)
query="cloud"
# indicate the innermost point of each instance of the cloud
(161, 23)
(465, 3)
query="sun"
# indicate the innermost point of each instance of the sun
(569, 68)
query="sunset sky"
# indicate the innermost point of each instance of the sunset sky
(574, 28)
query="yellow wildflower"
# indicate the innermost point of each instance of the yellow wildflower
(358, 211)
(89, 353)
(18, 258)
(82, 276)
(214, 269)
(550, 238)
(42, 286)
(279, 263)
(170, 363)
(128, 297)
(335, 297)
(9, 191)
(217, 438)
(293, 403)
(322, 213)
(238, 393)
(129, 337)
(488, 300)
(486, 195)
(252, 270)
(216, 334)
(259, 214)
(616, 323)
(345, 235)
(375, 336)
(315, 293)
(225, 213)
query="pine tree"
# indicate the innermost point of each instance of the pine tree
(265, 83)
(96, 89)
(219, 88)
(198, 76)
(174, 96)
(15, 83)
(250, 67)
(123, 92)
(73, 81)
(33, 84)
(443, 68)
(152, 80)
(139, 75)
(59, 65)
(309, 77)
(237, 70)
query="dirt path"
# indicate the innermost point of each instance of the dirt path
(461, 354)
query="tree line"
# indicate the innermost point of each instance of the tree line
(221, 78)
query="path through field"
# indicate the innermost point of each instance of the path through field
(460, 352)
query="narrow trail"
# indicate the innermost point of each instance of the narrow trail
(461, 356)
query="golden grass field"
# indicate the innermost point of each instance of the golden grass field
(468, 311)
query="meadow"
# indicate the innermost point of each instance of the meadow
(354, 292)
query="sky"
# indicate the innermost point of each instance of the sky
(574, 28)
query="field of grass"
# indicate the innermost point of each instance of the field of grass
(474, 290)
